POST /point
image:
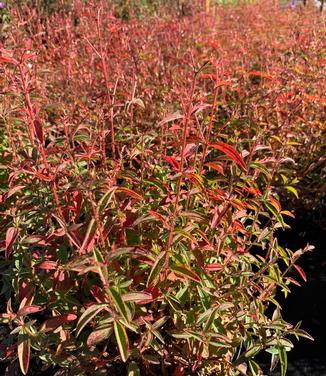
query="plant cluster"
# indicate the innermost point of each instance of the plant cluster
(142, 164)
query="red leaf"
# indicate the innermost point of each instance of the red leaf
(231, 152)
(28, 55)
(157, 216)
(11, 236)
(98, 294)
(215, 267)
(41, 176)
(175, 164)
(301, 272)
(39, 130)
(27, 310)
(14, 190)
(47, 265)
(129, 192)
(55, 322)
(216, 167)
(8, 59)
(26, 294)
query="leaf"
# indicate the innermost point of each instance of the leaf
(27, 310)
(231, 152)
(8, 59)
(210, 320)
(98, 336)
(301, 272)
(47, 265)
(185, 272)
(89, 237)
(119, 304)
(39, 132)
(137, 297)
(88, 315)
(11, 236)
(215, 167)
(129, 192)
(254, 368)
(14, 190)
(51, 324)
(157, 216)
(156, 270)
(24, 352)
(275, 204)
(122, 340)
(170, 117)
(283, 360)
(252, 351)
(214, 267)
(160, 322)
(106, 199)
(173, 162)
(292, 190)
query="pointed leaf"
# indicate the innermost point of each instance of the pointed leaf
(88, 315)
(173, 162)
(24, 352)
(156, 270)
(8, 59)
(185, 272)
(122, 340)
(51, 324)
(231, 152)
(98, 336)
(11, 236)
(170, 117)
(129, 192)
(119, 304)
(27, 310)
(137, 297)
(301, 272)
(39, 132)
(89, 237)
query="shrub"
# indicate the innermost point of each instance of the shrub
(141, 166)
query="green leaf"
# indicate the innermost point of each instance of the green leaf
(210, 320)
(252, 351)
(160, 322)
(283, 360)
(156, 270)
(122, 340)
(119, 304)
(88, 315)
(292, 190)
(254, 368)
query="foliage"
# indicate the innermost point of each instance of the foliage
(140, 176)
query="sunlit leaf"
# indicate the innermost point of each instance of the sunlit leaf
(122, 340)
